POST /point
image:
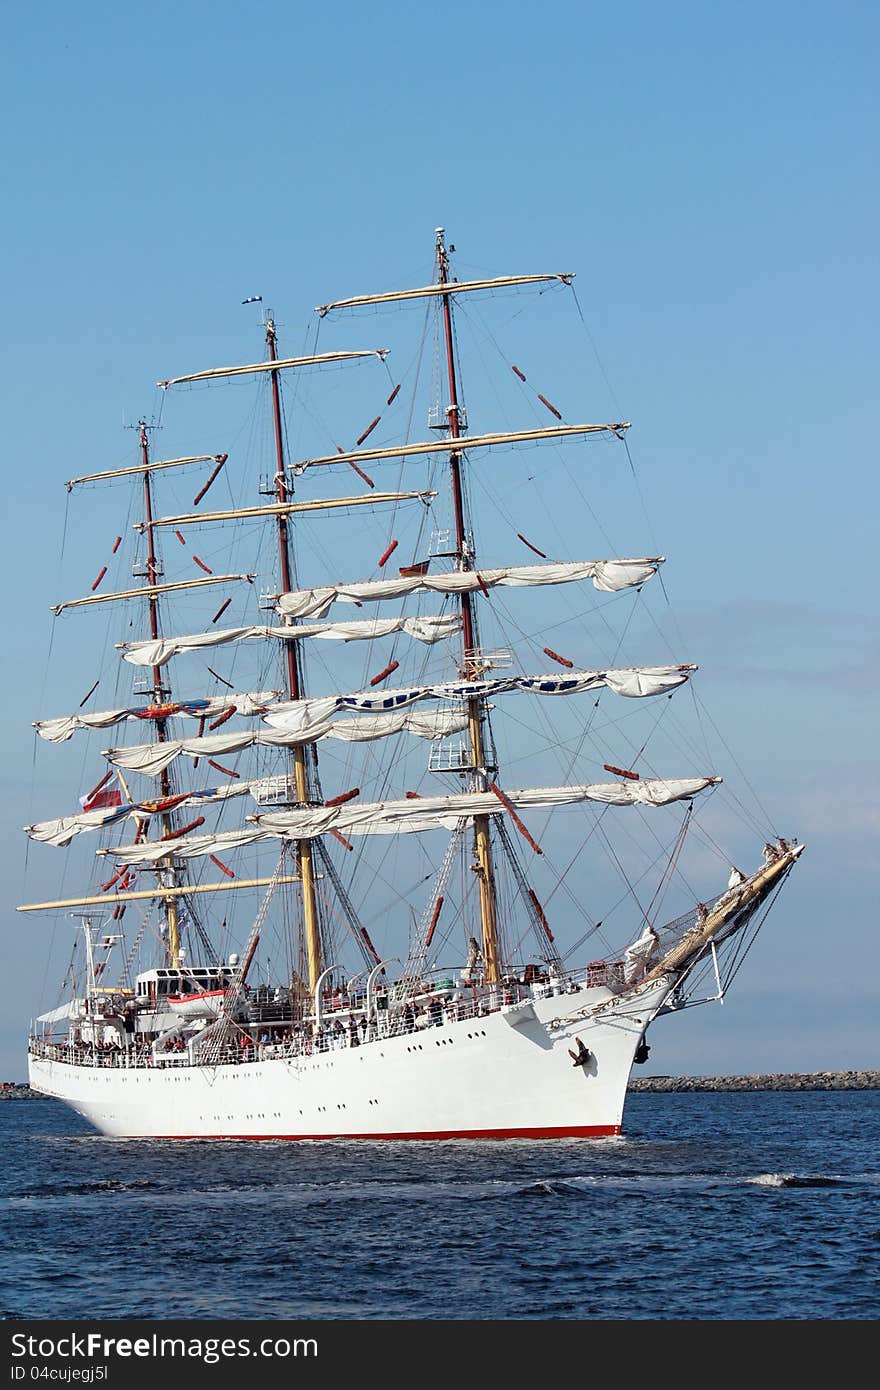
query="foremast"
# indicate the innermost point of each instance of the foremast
(472, 670)
(294, 681)
(161, 694)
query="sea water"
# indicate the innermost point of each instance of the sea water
(757, 1205)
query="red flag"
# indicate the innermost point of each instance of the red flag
(102, 798)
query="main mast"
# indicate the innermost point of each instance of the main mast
(160, 695)
(294, 680)
(464, 549)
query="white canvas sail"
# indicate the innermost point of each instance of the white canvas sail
(249, 703)
(427, 630)
(417, 814)
(610, 576)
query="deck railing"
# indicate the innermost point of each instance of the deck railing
(344, 1025)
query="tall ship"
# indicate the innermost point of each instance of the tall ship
(394, 838)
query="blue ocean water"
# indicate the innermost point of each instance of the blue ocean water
(712, 1206)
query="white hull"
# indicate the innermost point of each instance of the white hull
(503, 1075)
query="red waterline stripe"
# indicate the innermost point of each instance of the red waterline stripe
(556, 1132)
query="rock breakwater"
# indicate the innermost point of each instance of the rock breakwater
(769, 1081)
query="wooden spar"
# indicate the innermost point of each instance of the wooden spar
(221, 610)
(551, 408)
(139, 468)
(476, 441)
(621, 772)
(346, 844)
(554, 656)
(541, 915)
(360, 472)
(242, 974)
(293, 508)
(343, 797)
(393, 395)
(116, 544)
(304, 849)
(89, 695)
(202, 490)
(368, 431)
(273, 366)
(180, 537)
(521, 375)
(227, 771)
(221, 866)
(150, 591)
(222, 718)
(369, 945)
(386, 554)
(99, 578)
(521, 537)
(475, 707)
(511, 810)
(159, 892)
(699, 936)
(435, 917)
(201, 564)
(392, 666)
(443, 289)
(228, 684)
(111, 882)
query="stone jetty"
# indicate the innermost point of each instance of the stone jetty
(770, 1081)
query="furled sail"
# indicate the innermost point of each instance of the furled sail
(306, 721)
(319, 504)
(633, 682)
(462, 444)
(427, 629)
(142, 468)
(62, 830)
(63, 728)
(153, 758)
(416, 814)
(500, 282)
(274, 365)
(152, 590)
(607, 575)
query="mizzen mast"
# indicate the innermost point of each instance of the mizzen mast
(472, 670)
(161, 693)
(294, 678)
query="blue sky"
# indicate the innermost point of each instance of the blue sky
(709, 172)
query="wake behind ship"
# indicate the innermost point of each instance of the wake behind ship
(417, 951)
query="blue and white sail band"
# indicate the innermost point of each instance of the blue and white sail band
(408, 816)
(634, 682)
(610, 576)
(385, 713)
